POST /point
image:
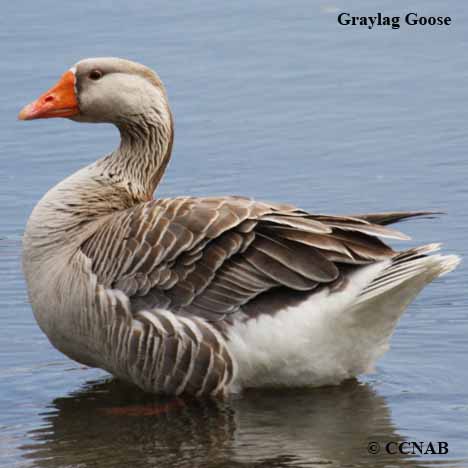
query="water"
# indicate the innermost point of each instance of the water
(272, 100)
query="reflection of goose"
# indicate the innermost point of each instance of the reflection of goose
(111, 424)
(202, 295)
(327, 426)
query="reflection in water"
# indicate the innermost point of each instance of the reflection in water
(111, 424)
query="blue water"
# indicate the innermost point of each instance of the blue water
(273, 100)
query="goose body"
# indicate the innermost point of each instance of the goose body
(202, 295)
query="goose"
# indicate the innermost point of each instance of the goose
(210, 295)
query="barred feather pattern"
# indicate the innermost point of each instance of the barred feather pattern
(208, 257)
(157, 350)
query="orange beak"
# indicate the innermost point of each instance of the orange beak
(59, 101)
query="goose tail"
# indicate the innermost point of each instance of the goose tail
(381, 303)
(413, 269)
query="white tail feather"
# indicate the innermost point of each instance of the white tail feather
(381, 304)
(411, 265)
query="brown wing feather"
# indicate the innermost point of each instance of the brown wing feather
(396, 216)
(211, 256)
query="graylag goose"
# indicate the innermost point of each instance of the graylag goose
(202, 296)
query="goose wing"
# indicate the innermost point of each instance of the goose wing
(209, 257)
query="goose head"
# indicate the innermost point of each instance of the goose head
(128, 95)
(102, 90)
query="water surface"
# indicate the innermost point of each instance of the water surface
(272, 100)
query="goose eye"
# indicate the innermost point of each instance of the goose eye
(95, 75)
